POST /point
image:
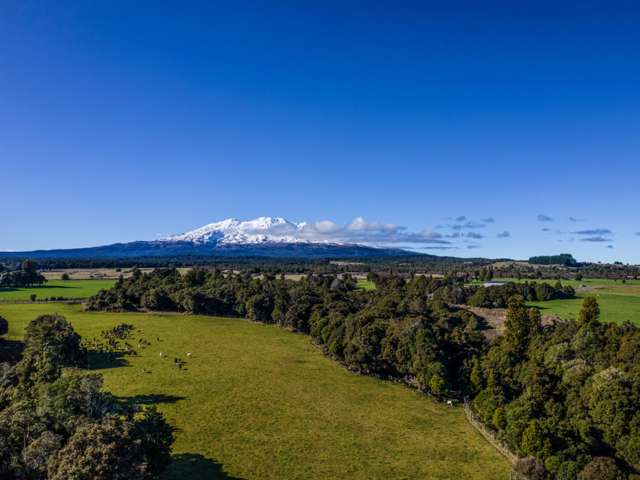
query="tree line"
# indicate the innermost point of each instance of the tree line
(497, 296)
(26, 275)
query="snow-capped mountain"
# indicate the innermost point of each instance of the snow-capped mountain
(270, 237)
(236, 232)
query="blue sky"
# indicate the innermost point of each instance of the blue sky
(121, 122)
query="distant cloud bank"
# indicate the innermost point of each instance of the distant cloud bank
(361, 231)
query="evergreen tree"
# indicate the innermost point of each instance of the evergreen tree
(590, 312)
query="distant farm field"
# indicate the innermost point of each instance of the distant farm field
(72, 289)
(618, 301)
(365, 284)
(259, 402)
(613, 307)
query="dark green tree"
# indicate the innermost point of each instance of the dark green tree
(601, 468)
(590, 312)
(50, 344)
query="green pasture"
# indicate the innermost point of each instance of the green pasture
(366, 284)
(618, 301)
(73, 289)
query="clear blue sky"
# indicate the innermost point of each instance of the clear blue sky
(129, 120)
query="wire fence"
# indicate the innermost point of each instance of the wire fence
(490, 436)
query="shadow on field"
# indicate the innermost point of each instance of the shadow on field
(101, 360)
(10, 350)
(195, 467)
(150, 399)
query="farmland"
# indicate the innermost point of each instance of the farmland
(365, 284)
(256, 401)
(618, 301)
(69, 289)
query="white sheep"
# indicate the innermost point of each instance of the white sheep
(161, 354)
(450, 403)
(188, 354)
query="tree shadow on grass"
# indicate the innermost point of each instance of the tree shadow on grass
(195, 467)
(150, 399)
(102, 360)
(539, 308)
(10, 350)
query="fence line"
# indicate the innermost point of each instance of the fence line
(489, 434)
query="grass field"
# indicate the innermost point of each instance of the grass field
(366, 284)
(618, 301)
(258, 402)
(57, 288)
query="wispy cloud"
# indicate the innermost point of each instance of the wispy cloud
(575, 219)
(544, 218)
(473, 235)
(596, 239)
(594, 231)
(610, 246)
(488, 220)
(469, 224)
(546, 229)
(504, 234)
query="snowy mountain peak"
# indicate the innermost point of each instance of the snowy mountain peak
(234, 232)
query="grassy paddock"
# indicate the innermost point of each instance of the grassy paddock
(618, 301)
(258, 402)
(57, 288)
(613, 307)
(365, 284)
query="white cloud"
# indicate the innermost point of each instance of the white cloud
(326, 226)
(360, 230)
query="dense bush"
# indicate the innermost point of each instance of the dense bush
(498, 296)
(58, 423)
(567, 394)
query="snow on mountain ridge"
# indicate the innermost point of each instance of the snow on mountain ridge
(232, 232)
